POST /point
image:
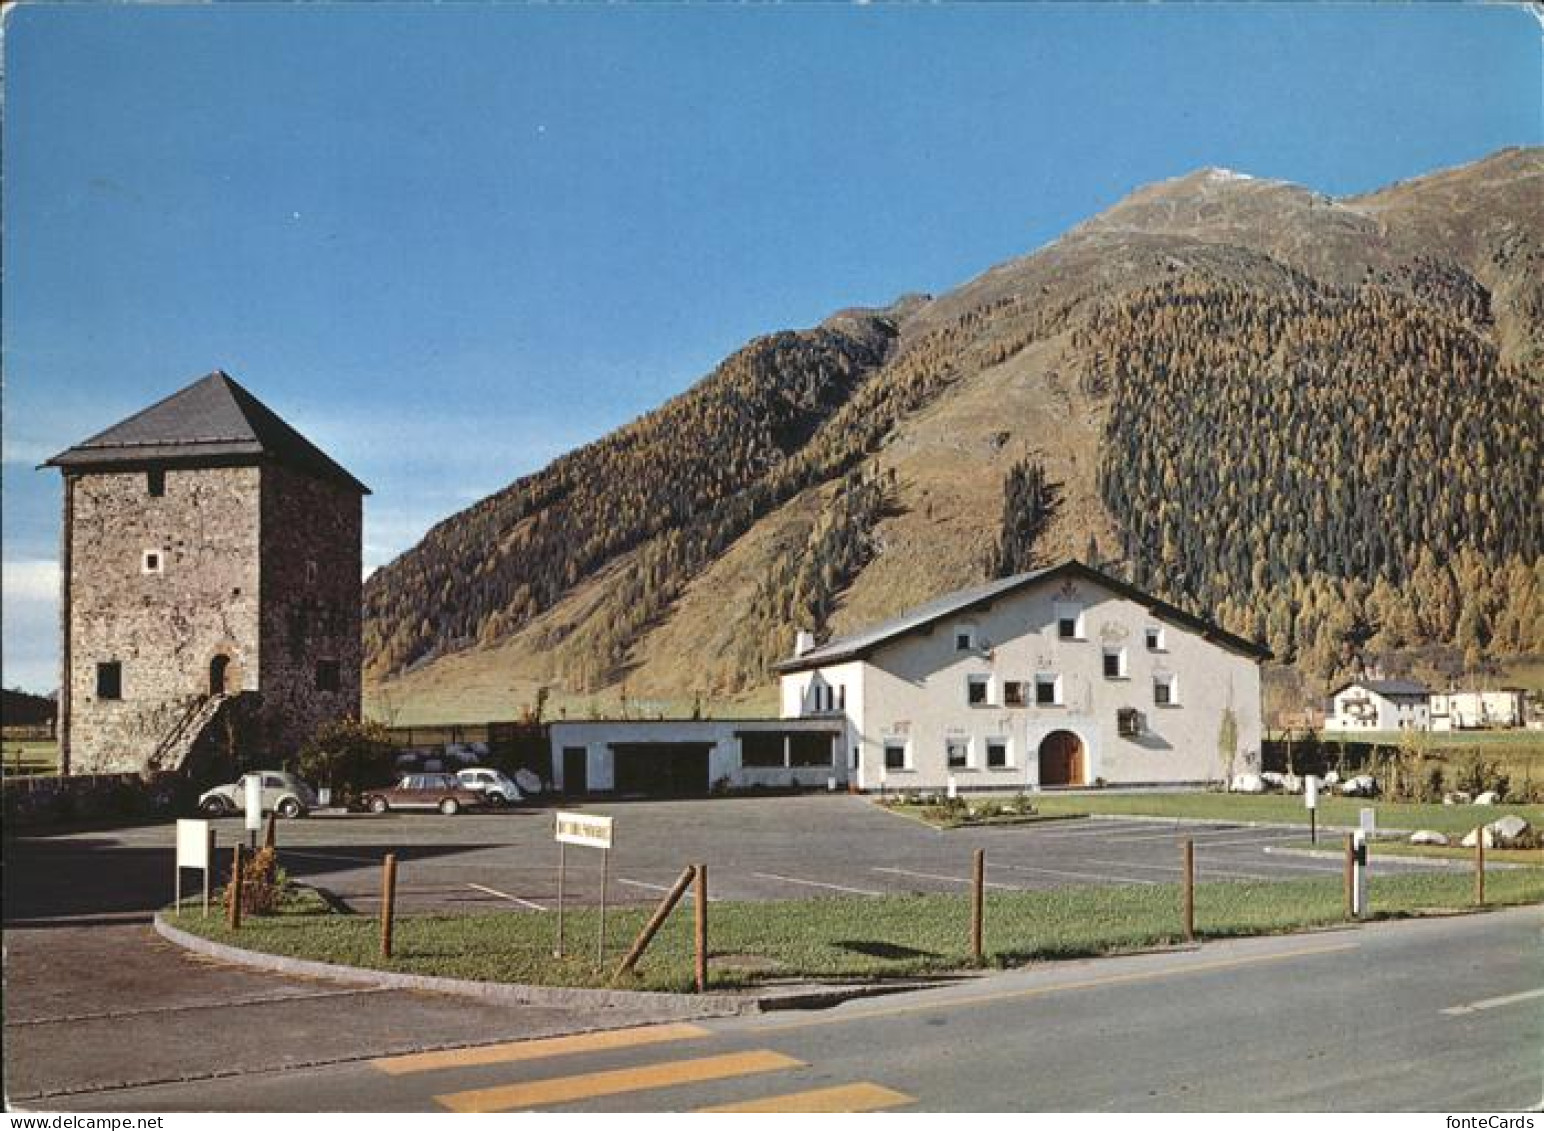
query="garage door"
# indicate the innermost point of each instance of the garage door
(661, 769)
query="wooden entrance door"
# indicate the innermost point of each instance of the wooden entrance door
(1061, 759)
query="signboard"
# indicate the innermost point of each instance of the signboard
(1311, 791)
(1369, 822)
(585, 829)
(193, 844)
(195, 849)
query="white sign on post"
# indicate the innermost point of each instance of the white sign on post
(254, 787)
(1311, 791)
(952, 788)
(195, 849)
(585, 829)
(1369, 823)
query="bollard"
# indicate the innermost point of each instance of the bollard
(700, 898)
(977, 901)
(235, 907)
(1190, 889)
(388, 901)
(1479, 867)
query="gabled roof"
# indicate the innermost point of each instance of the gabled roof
(213, 419)
(1389, 688)
(862, 644)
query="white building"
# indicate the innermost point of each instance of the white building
(1380, 704)
(1467, 710)
(1064, 676)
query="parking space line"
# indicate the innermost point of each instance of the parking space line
(661, 888)
(815, 884)
(1257, 836)
(330, 856)
(1202, 869)
(1093, 826)
(1106, 877)
(945, 879)
(506, 895)
(1492, 1003)
(618, 1081)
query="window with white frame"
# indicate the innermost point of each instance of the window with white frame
(1069, 620)
(996, 753)
(152, 561)
(1165, 691)
(978, 690)
(1114, 663)
(1155, 641)
(1048, 690)
(957, 751)
(965, 638)
(895, 754)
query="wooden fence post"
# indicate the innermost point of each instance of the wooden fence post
(388, 901)
(271, 832)
(236, 885)
(1479, 867)
(1190, 889)
(701, 927)
(1350, 877)
(661, 913)
(977, 903)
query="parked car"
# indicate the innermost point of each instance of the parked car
(495, 787)
(283, 793)
(444, 792)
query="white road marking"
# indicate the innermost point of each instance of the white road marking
(506, 895)
(690, 893)
(1250, 836)
(1092, 826)
(330, 856)
(946, 879)
(815, 884)
(1493, 1003)
(1108, 877)
(1202, 868)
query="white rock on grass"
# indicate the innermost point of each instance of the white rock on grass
(1362, 785)
(1331, 779)
(1489, 797)
(1292, 783)
(1474, 834)
(1248, 783)
(1427, 836)
(1508, 829)
(1456, 797)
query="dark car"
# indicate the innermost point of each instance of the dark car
(444, 792)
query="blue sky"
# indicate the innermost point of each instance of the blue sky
(450, 242)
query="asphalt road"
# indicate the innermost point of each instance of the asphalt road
(1437, 1015)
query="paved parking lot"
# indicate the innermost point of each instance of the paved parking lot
(755, 849)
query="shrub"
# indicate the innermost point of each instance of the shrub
(263, 884)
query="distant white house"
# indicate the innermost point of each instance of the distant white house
(1065, 676)
(1382, 704)
(1467, 710)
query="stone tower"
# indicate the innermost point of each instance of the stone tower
(211, 587)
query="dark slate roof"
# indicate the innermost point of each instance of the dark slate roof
(212, 419)
(1389, 688)
(862, 644)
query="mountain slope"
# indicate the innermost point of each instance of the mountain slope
(1261, 402)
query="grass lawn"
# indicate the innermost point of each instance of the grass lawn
(890, 936)
(1285, 809)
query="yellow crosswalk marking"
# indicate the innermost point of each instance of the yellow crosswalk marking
(512, 1051)
(845, 1097)
(564, 1089)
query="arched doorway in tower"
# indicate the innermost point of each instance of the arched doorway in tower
(1061, 759)
(218, 668)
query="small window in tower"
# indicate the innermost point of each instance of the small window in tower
(327, 675)
(311, 572)
(153, 562)
(110, 680)
(155, 483)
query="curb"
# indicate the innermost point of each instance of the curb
(657, 1005)
(1445, 862)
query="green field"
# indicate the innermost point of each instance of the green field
(892, 936)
